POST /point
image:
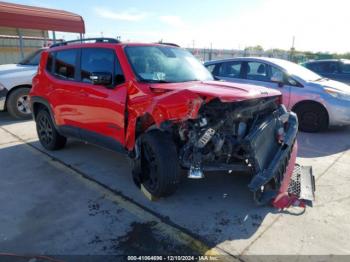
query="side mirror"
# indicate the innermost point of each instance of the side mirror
(278, 78)
(101, 78)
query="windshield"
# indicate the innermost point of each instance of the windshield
(299, 71)
(165, 64)
(32, 59)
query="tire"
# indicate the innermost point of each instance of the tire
(312, 117)
(49, 138)
(160, 173)
(18, 104)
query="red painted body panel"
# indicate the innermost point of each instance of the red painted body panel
(115, 112)
(283, 196)
(104, 113)
(225, 91)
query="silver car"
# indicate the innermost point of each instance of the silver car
(319, 102)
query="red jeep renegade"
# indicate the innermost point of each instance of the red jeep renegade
(160, 105)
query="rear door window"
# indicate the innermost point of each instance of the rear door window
(257, 71)
(65, 64)
(230, 69)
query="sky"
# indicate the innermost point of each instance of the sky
(317, 25)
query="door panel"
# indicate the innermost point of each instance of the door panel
(101, 108)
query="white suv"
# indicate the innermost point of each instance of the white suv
(15, 84)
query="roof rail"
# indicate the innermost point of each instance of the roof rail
(97, 40)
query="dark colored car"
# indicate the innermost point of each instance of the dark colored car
(160, 105)
(336, 69)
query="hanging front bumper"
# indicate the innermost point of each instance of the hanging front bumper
(301, 189)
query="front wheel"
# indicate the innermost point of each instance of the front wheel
(312, 117)
(160, 172)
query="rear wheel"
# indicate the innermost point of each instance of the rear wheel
(160, 172)
(18, 104)
(312, 117)
(49, 138)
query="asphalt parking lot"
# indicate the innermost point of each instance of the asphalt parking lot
(82, 201)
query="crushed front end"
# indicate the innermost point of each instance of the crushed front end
(257, 137)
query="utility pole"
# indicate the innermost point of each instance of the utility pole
(292, 50)
(211, 52)
(193, 51)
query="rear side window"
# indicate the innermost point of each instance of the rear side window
(257, 71)
(100, 60)
(230, 69)
(65, 62)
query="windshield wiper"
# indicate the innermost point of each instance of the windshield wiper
(192, 80)
(321, 78)
(155, 81)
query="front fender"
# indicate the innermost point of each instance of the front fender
(175, 106)
(13, 80)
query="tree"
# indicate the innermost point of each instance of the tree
(257, 48)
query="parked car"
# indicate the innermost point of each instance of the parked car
(318, 101)
(160, 105)
(336, 69)
(15, 83)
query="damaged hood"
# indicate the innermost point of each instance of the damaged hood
(225, 91)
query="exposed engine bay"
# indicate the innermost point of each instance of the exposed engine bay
(256, 137)
(247, 136)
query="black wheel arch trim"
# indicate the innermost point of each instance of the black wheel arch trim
(303, 102)
(39, 100)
